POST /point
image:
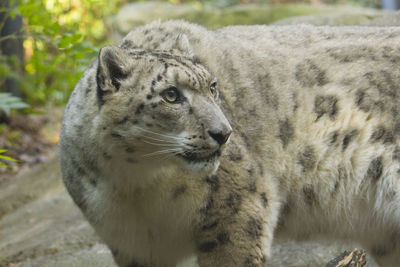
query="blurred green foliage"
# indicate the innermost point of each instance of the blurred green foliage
(60, 39)
(9, 102)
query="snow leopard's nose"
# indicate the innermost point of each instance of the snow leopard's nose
(221, 137)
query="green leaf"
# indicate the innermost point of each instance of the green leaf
(2, 157)
(69, 39)
(9, 102)
(33, 111)
(7, 158)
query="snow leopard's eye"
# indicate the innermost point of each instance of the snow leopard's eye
(213, 89)
(172, 95)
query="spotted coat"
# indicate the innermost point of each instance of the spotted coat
(184, 141)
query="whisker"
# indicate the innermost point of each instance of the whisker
(161, 144)
(160, 152)
(164, 135)
(157, 139)
(173, 154)
(167, 156)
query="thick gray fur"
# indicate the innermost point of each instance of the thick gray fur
(314, 150)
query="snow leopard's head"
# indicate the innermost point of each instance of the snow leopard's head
(160, 107)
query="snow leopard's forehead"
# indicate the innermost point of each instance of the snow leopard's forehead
(178, 69)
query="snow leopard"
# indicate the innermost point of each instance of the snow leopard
(183, 141)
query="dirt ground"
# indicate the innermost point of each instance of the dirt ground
(28, 138)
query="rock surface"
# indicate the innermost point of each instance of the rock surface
(342, 18)
(387, 19)
(363, 17)
(41, 226)
(139, 13)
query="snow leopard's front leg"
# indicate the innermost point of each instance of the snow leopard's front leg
(237, 220)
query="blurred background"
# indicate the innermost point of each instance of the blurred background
(45, 45)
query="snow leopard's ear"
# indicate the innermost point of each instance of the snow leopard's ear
(183, 45)
(112, 68)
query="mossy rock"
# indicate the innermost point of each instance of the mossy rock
(140, 13)
(387, 19)
(136, 14)
(348, 16)
(249, 14)
(333, 19)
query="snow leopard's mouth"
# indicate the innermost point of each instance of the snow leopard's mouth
(197, 157)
